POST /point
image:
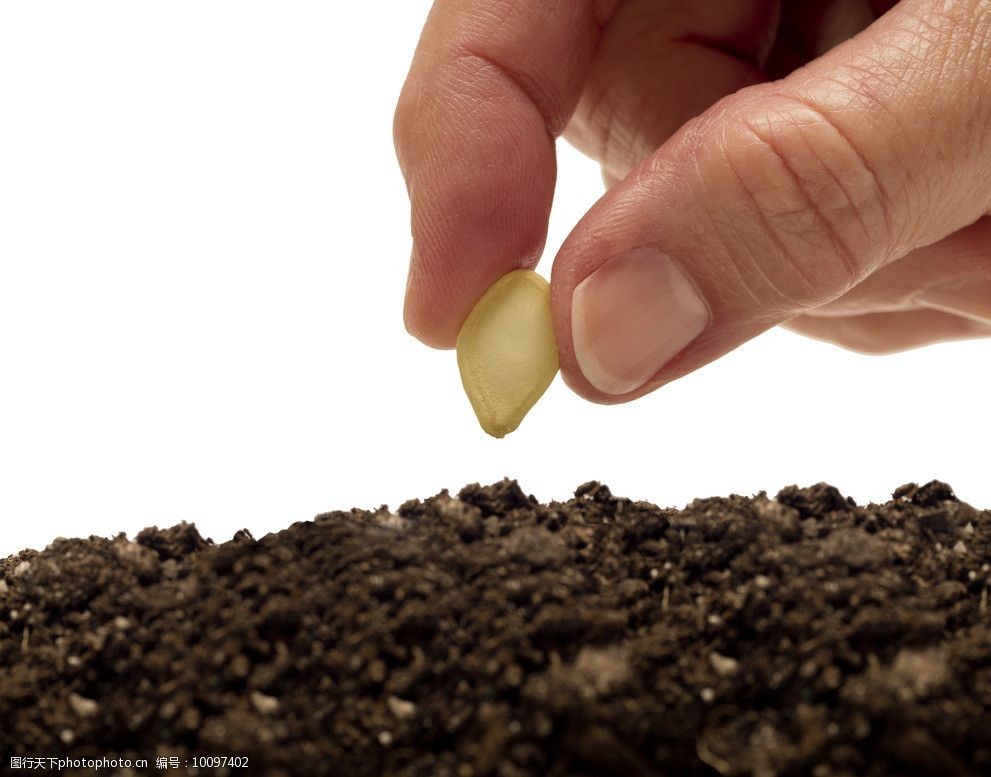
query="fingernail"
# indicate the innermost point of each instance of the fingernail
(965, 298)
(631, 317)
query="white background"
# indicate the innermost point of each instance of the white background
(203, 246)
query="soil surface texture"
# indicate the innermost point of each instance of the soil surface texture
(489, 634)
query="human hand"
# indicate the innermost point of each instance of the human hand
(833, 176)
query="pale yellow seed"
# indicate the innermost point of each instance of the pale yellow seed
(506, 350)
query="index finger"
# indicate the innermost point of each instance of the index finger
(492, 83)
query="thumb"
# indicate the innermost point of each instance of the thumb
(778, 200)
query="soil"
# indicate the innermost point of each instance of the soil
(488, 634)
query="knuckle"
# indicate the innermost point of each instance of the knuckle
(810, 199)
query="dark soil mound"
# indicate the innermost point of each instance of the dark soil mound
(492, 635)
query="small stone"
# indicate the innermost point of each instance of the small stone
(4, 587)
(265, 704)
(922, 672)
(960, 549)
(74, 661)
(400, 708)
(969, 528)
(22, 568)
(122, 623)
(85, 708)
(385, 739)
(763, 582)
(67, 735)
(853, 548)
(724, 665)
(514, 675)
(708, 695)
(603, 669)
(377, 671)
(190, 719)
(831, 677)
(240, 666)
